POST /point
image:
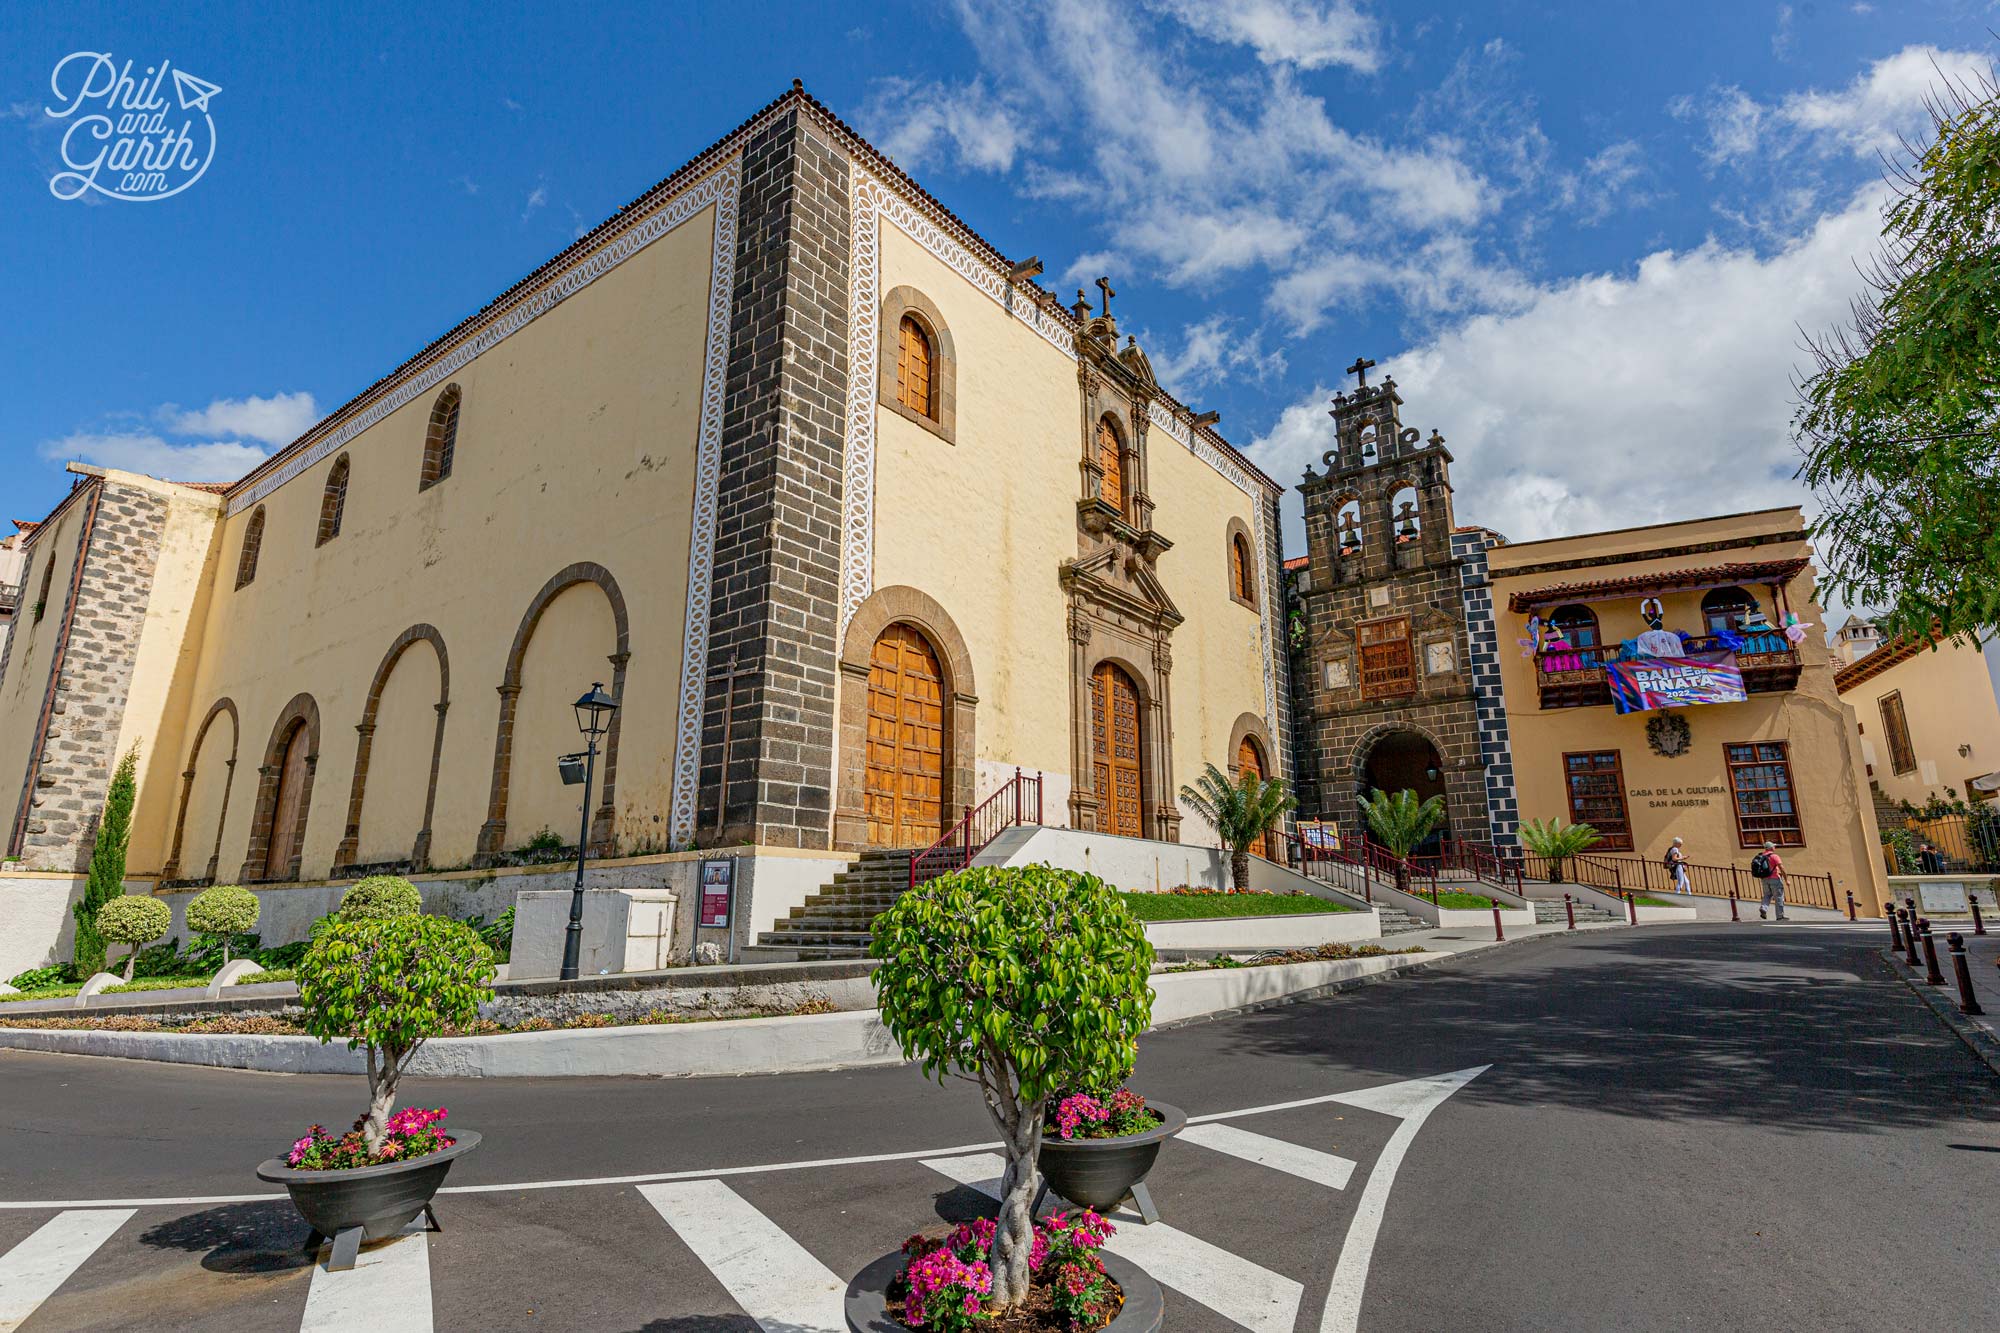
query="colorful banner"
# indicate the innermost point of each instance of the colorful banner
(1640, 683)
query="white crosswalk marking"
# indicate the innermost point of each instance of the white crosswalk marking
(765, 1271)
(387, 1291)
(1322, 1168)
(1228, 1284)
(32, 1270)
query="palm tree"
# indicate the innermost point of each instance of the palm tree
(1556, 842)
(1400, 822)
(1240, 812)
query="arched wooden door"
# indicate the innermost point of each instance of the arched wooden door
(1250, 760)
(1114, 750)
(285, 822)
(904, 784)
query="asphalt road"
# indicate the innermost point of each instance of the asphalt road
(1682, 1127)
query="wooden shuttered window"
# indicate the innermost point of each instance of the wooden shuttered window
(1595, 780)
(1760, 782)
(1896, 733)
(1110, 458)
(915, 361)
(1388, 666)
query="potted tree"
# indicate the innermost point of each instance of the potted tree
(133, 920)
(1027, 982)
(386, 986)
(1401, 822)
(1240, 812)
(1555, 842)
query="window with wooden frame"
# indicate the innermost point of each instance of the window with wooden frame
(1388, 666)
(253, 542)
(1578, 624)
(1242, 570)
(441, 438)
(1595, 781)
(1760, 781)
(915, 362)
(1896, 731)
(333, 502)
(1111, 462)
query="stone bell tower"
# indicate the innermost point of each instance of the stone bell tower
(1382, 662)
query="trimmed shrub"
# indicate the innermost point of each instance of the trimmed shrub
(381, 898)
(133, 919)
(222, 913)
(388, 985)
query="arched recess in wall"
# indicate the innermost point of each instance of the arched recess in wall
(1250, 750)
(284, 793)
(411, 725)
(885, 610)
(204, 804)
(545, 723)
(1241, 554)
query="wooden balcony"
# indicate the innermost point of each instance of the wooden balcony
(1575, 677)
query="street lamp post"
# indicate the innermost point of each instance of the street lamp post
(593, 719)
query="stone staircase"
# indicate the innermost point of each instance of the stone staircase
(1395, 921)
(1549, 913)
(833, 923)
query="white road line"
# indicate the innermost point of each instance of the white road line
(1414, 1101)
(32, 1270)
(769, 1274)
(1322, 1168)
(387, 1291)
(1233, 1287)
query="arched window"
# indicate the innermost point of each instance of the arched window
(1723, 609)
(1404, 520)
(1347, 527)
(441, 439)
(333, 503)
(915, 387)
(1242, 570)
(1111, 459)
(1578, 624)
(48, 580)
(253, 542)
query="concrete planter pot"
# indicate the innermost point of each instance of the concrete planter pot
(1099, 1173)
(868, 1297)
(380, 1200)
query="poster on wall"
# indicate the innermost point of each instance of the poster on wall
(1640, 683)
(1319, 836)
(718, 883)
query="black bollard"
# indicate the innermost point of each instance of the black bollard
(1968, 1003)
(1978, 922)
(1932, 977)
(1895, 931)
(1910, 937)
(1851, 916)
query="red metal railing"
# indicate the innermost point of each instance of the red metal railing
(1019, 801)
(1632, 874)
(1326, 864)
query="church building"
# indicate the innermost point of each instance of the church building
(852, 517)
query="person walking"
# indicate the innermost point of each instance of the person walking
(1769, 871)
(1677, 866)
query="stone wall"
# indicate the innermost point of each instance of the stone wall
(1482, 633)
(768, 719)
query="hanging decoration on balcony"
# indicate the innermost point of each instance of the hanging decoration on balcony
(1795, 629)
(1532, 643)
(1668, 735)
(1644, 683)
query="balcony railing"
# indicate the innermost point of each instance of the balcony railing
(10, 598)
(1574, 677)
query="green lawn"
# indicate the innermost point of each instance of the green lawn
(45, 993)
(1198, 906)
(1471, 902)
(157, 983)
(1650, 900)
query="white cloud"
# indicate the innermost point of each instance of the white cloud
(927, 124)
(1294, 32)
(1211, 350)
(219, 460)
(279, 419)
(536, 198)
(1614, 399)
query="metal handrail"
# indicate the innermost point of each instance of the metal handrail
(1633, 874)
(1016, 800)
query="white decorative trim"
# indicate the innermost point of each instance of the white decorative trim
(1268, 617)
(707, 483)
(717, 186)
(857, 544)
(981, 274)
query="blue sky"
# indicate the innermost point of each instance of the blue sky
(1582, 236)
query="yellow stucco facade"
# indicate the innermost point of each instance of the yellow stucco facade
(1941, 698)
(1692, 792)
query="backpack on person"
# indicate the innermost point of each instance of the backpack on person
(1668, 861)
(1760, 866)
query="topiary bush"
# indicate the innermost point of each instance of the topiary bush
(388, 985)
(134, 920)
(1025, 980)
(379, 898)
(222, 913)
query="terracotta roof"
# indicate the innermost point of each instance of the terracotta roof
(1666, 580)
(699, 163)
(25, 525)
(1297, 562)
(209, 487)
(1893, 653)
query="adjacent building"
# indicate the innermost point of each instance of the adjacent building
(1930, 720)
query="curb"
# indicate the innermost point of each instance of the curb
(1977, 1038)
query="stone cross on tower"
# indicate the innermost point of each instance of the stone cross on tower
(1104, 286)
(1362, 365)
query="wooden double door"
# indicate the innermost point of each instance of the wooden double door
(285, 822)
(1249, 760)
(1115, 751)
(904, 782)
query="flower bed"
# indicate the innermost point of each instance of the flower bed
(264, 1025)
(946, 1280)
(1185, 904)
(1325, 953)
(1084, 1116)
(410, 1133)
